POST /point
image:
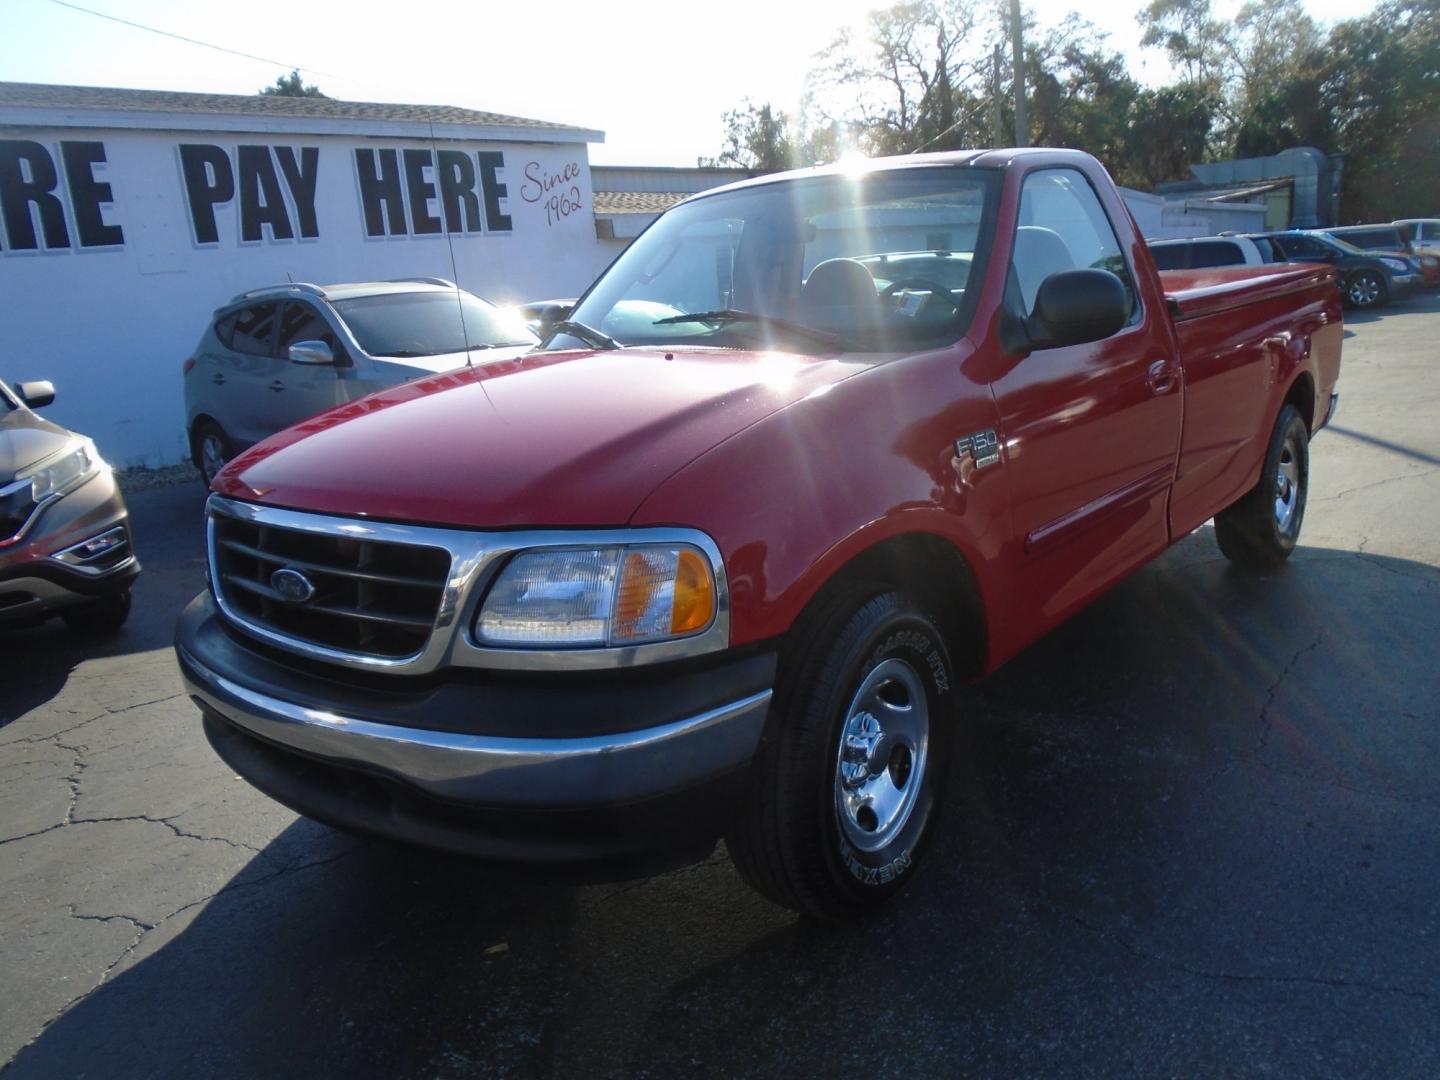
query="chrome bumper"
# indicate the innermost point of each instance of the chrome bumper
(495, 771)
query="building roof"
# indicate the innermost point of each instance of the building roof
(119, 106)
(637, 202)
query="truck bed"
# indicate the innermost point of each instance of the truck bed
(1192, 293)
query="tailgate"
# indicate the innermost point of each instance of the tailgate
(1192, 293)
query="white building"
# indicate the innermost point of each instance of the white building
(127, 216)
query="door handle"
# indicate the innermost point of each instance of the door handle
(277, 386)
(1160, 377)
(217, 379)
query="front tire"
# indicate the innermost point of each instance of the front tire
(1261, 529)
(211, 449)
(1366, 290)
(845, 788)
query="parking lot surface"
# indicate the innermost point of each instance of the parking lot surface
(1195, 830)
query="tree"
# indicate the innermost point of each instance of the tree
(1082, 96)
(1190, 35)
(1239, 63)
(292, 86)
(757, 137)
(1169, 131)
(919, 78)
(1378, 85)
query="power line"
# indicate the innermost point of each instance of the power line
(191, 41)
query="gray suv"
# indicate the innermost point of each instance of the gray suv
(275, 356)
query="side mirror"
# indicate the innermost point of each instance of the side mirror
(543, 315)
(36, 394)
(1073, 307)
(311, 352)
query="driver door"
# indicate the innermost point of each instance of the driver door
(1090, 432)
(296, 392)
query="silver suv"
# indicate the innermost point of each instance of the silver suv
(275, 356)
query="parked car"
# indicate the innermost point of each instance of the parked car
(1423, 234)
(716, 557)
(1388, 239)
(65, 546)
(275, 356)
(1202, 252)
(1367, 280)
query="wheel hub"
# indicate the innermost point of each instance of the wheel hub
(1287, 486)
(880, 763)
(212, 455)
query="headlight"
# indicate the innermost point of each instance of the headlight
(64, 471)
(602, 596)
(1396, 264)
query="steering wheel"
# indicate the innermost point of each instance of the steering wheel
(934, 288)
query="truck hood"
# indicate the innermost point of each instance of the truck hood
(25, 439)
(547, 439)
(433, 365)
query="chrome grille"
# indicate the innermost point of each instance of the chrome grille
(371, 597)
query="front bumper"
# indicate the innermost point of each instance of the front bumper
(1331, 406)
(1402, 285)
(422, 765)
(34, 583)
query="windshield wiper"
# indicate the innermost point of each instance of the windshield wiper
(824, 337)
(587, 334)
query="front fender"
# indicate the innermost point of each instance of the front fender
(794, 498)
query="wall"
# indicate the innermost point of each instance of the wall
(116, 248)
(1316, 181)
(1159, 218)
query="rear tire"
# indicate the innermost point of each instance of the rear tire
(1261, 528)
(210, 449)
(104, 616)
(846, 785)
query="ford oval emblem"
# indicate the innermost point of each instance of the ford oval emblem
(293, 586)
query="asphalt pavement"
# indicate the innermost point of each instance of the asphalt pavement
(1194, 831)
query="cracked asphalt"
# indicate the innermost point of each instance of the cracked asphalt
(1194, 831)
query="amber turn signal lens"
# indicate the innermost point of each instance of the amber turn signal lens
(694, 604)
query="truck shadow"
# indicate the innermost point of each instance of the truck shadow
(1171, 793)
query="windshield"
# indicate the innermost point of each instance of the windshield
(429, 323)
(1343, 245)
(878, 262)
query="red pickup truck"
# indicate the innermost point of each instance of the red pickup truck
(716, 557)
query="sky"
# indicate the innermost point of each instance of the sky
(655, 77)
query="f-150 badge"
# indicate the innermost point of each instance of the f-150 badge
(983, 448)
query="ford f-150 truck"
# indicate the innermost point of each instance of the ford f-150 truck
(716, 558)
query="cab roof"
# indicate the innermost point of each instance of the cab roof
(978, 159)
(346, 290)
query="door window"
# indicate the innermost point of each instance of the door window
(301, 322)
(1216, 253)
(1170, 256)
(1064, 227)
(1305, 248)
(253, 331)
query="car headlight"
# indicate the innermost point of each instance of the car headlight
(1396, 264)
(599, 596)
(64, 471)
